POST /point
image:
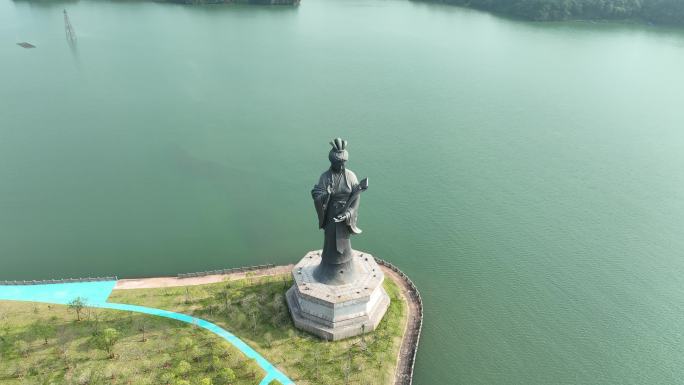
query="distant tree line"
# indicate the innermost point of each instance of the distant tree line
(653, 11)
(257, 2)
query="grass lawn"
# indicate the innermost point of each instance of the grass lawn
(254, 309)
(45, 344)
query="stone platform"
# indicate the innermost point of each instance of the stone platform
(335, 312)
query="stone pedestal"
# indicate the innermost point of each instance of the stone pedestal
(335, 312)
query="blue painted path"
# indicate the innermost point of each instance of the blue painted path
(96, 294)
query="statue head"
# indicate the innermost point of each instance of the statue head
(338, 154)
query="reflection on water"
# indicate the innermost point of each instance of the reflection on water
(73, 47)
(71, 38)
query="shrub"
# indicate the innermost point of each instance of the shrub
(183, 368)
(21, 347)
(105, 340)
(225, 377)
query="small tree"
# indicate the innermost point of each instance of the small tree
(22, 347)
(42, 330)
(182, 369)
(210, 345)
(347, 368)
(142, 330)
(215, 363)
(223, 297)
(225, 376)
(254, 317)
(316, 360)
(186, 344)
(167, 377)
(237, 295)
(106, 340)
(196, 353)
(77, 305)
(279, 311)
(187, 296)
(268, 338)
(4, 332)
(19, 370)
(240, 319)
(96, 323)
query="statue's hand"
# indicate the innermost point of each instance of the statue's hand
(328, 189)
(342, 217)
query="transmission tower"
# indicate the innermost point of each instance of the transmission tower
(70, 33)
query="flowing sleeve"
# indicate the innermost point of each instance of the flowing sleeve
(319, 193)
(354, 208)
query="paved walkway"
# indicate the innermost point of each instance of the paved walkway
(96, 294)
(147, 283)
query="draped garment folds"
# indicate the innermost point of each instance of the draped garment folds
(337, 245)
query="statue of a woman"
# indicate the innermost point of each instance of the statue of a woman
(336, 198)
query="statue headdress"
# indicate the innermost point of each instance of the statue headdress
(338, 152)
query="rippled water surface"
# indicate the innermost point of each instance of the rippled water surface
(527, 176)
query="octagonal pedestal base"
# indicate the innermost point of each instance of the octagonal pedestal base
(336, 312)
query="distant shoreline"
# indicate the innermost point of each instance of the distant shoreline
(252, 2)
(646, 12)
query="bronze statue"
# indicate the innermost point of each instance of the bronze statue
(337, 292)
(336, 198)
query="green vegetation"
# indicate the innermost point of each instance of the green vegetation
(254, 309)
(77, 306)
(75, 344)
(46, 344)
(652, 11)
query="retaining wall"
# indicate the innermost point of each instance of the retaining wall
(406, 378)
(61, 280)
(226, 271)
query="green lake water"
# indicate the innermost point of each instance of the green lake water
(527, 176)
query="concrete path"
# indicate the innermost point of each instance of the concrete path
(147, 283)
(96, 294)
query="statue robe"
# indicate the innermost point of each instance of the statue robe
(337, 245)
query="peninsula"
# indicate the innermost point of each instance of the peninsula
(64, 344)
